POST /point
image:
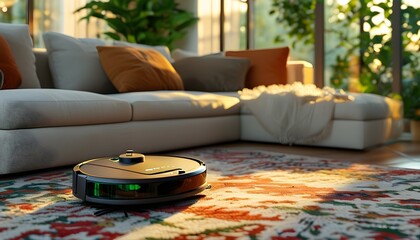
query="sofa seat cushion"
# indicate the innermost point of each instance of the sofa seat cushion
(34, 108)
(364, 107)
(368, 107)
(161, 105)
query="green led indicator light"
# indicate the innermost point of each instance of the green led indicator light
(96, 191)
(129, 187)
(112, 190)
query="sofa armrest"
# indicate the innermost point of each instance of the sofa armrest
(300, 71)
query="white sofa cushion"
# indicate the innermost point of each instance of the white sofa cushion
(19, 40)
(33, 108)
(364, 107)
(75, 64)
(368, 107)
(159, 105)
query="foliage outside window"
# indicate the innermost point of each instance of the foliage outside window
(13, 11)
(152, 22)
(373, 43)
(362, 50)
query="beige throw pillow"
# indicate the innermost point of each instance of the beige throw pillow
(136, 69)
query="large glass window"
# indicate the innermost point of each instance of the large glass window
(208, 26)
(49, 15)
(411, 39)
(59, 16)
(235, 24)
(359, 49)
(359, 53)
(342, 44)
(275, 25)
(13, 11)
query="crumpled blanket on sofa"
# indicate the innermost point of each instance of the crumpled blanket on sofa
(293, 113)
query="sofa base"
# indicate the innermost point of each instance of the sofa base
(41, 148)
(344, 133)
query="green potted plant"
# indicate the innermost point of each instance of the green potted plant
(411, 98)
(151, 22)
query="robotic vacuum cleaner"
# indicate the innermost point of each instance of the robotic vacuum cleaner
(134, 178)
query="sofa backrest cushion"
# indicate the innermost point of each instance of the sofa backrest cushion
(43, 68)
(138, 69)
(10, 75)
(212, 74)
(268, 66)
(20, 42)
(75, 64)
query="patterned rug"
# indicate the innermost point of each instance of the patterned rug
(254, 195)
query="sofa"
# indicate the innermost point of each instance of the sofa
(44, 126)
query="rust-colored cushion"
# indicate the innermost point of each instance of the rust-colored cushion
(138, 69)
(268, 66)
(12, 77)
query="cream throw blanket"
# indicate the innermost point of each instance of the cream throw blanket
(293, 113)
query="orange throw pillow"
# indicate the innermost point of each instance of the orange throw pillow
(138, 69)
(268, 66)
(12, 77)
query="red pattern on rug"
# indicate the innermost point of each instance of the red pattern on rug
(254, 194)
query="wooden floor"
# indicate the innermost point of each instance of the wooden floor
(400, 153)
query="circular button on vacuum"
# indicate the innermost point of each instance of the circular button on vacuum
(130, 157)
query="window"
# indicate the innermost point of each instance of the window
(13, 11)
(359, 38)
(49, 15)
(273, 21)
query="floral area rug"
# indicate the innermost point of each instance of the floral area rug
(254, 195)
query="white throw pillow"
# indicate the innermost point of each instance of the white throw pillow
(164, 50)
(74, 63)
(19, 40)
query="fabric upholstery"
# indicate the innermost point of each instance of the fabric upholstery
(348, 134)
(157, 105)
(33, 108)
(164, 50)
(11, 77)
(179, 54)
(364, 107)
(75, 64)
(138, 69)
(42, 148)
(268, 66)
(20, 42)
(368, 107)
(43, 68)
(212, 74)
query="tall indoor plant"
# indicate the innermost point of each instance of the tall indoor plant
(152, 22)
(411, 97)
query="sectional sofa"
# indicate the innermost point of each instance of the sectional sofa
(43, 125)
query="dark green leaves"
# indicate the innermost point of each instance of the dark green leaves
(152, 22)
